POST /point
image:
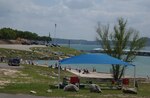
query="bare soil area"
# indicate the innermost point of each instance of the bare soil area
(8, 71)
(19, 46)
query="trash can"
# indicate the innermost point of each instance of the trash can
(125, 81)
(74, 80)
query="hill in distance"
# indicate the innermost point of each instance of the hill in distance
(85, 42)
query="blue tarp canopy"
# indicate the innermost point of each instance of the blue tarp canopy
(93, 59)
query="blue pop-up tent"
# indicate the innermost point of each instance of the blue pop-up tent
(94, 59)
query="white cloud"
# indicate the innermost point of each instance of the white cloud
(78, 4)
(74, 18)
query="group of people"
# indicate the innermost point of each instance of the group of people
(85, 71)
(55, 66)
(94, 70)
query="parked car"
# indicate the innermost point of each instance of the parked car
(14, 62)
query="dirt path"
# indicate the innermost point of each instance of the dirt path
(20, 47)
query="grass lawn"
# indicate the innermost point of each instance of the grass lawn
(40, 79)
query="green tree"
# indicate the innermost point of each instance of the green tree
(7, 33)
(44, 38)
(114, 43)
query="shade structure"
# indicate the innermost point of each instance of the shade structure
(93, 59)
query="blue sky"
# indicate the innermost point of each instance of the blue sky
(75, 19)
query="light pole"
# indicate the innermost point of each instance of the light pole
(55, 35)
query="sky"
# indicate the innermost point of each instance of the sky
(75, 19)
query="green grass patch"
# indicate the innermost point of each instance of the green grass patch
(13, 53)
(40, 79)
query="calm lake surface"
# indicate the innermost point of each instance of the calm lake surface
(142, 62)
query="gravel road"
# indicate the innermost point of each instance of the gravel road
(6, 66)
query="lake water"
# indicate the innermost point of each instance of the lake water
(142, 62)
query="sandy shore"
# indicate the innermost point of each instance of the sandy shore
(90, 74)
(20, 47)
(101, 75)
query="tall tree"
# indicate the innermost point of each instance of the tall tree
(114, 43)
